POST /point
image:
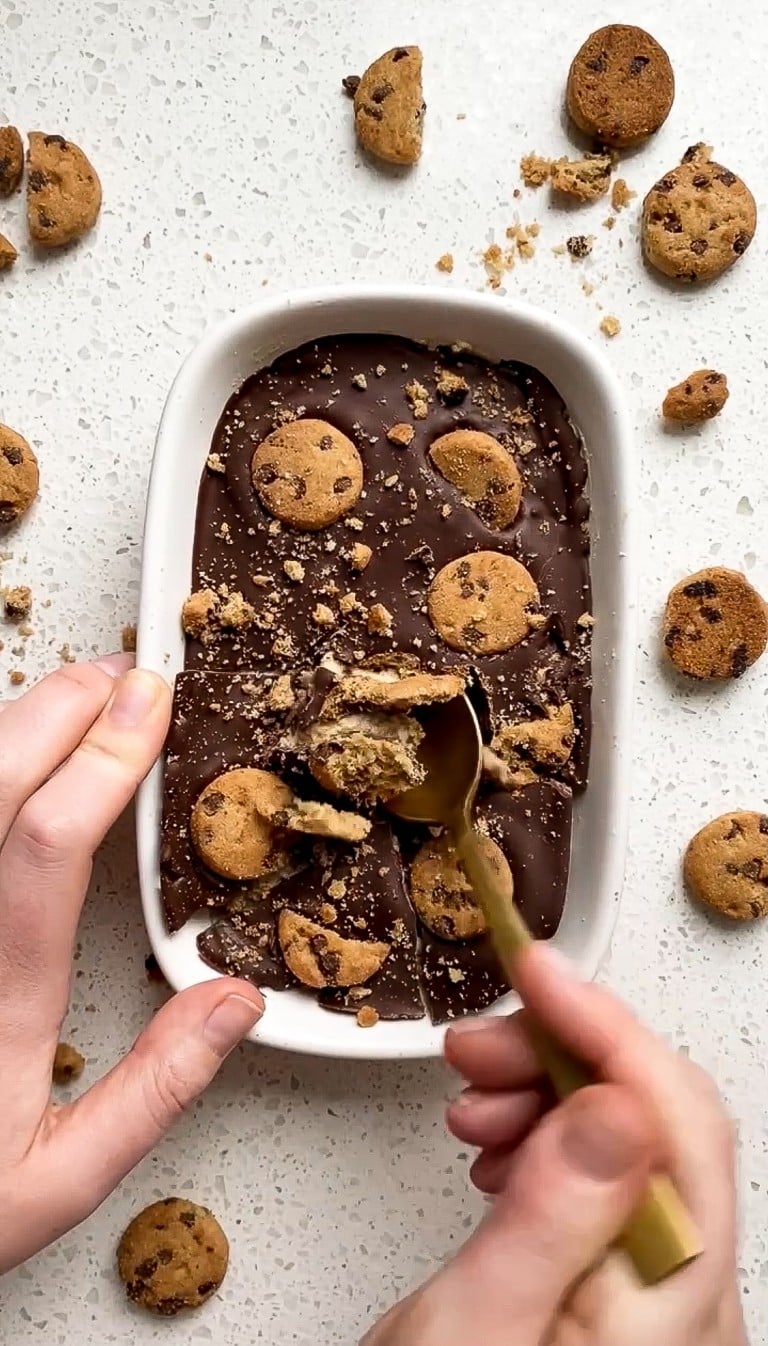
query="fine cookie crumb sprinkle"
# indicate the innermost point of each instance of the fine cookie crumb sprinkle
(621, 195)
(445, 263)
(610, 326)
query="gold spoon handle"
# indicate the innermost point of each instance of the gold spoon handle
(661, 1237)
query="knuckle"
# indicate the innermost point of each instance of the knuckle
(166, 1093)
(44, 837)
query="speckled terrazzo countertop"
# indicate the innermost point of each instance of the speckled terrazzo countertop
(227, 158)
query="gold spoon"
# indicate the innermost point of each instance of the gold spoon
(661, 1236)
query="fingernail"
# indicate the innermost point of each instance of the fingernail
(462, 1026)
(134, 697)
(594, 1146)
(230, 1021)
(115, 664)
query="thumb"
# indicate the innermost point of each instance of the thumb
(570, 1190)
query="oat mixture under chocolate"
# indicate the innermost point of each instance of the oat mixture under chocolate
(343, 576)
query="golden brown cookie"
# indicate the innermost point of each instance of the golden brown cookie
(543, 743)
(229, 826)
(19, 475)
(319, 957)
(698, 398)
(585, 179)
(698, 219)
(368, 757)
(172, 1256)
(482, 603)
(483, 471)
(726, 865)
(389, 107)
(441, 893)
(620, 86)
(11, 159)
(317, 819)
(63, 191)
(392, 693)
(715, 624)
(307, 474)
(8, 253)
(68, 1064)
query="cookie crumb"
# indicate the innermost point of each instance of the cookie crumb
(350, 84)
(16, 677)
(522, 236)
(8, 254)
(294, 570)
(359, 381)
(445, 263)
(609, 222)
(610, 326)
(65, 654)
(379, 620)
(401, 434)
(497, 262)
(535, 170)
(215, 463)
(580, 245)
(451, 388)
(584, 179)
(367, 1017)
(621, 194)
(418, 397)
(18, 603)
(128, 639)
(359, 556)
(68, 1064)
(322, 615)
(281, 695)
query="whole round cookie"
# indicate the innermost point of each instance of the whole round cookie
(441, 893)
(172, 1256)
(307, 474)
(715, 624)
(698, 219)
(63, 191)
(319, 957)
(19, 475)
(229, 823)
(483, 471)
(620, 86)
(726, 865)
(482, 603)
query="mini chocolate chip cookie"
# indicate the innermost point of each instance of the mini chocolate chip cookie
(319, 957)
(698, 219)
(19, 475)
(369, 757)
(63, 191)
(172, 1256)
(11, 160)
(620, 86)
(483, 603)
(715, 624)
(698, 398)
(307, 474)
(389, 107)
(441, 893)
(229, 823)
(529, 746)
(483, 471)
(8, 253)
(726, 866)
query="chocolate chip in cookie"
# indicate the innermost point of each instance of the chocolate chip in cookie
(726, 866)
(19, 475)
(483, 603)
(172, 1256)
(698, 219)
(441, 894)
(698, 398)
(620, 86)
(389, 106)
(63, 191)
(11, 160)
(229, 824)
(715, 624)
(307, 474)
(484, 473)
(319, 957)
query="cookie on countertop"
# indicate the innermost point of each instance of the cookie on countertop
(63, 191)
(620, 86)
(8, 253)
(172, 1256)
(585, 179)
(11, 160)
(715, 624)
(19, 475)
(698, 398)
(726, 865)
(698, 219)
(483, 603)
(307, 474)
(389, 106)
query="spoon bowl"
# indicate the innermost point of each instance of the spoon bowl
(451, 753)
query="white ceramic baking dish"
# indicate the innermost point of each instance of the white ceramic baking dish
(497, 329)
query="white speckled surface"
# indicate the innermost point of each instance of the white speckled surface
(218, 127)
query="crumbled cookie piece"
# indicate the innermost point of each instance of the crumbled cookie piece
(18, 603)
(445, 263)
(368, 691)
(698, 220)
(585, 179)
(206, 614)
(715, 624)
(451, 388)
(350, 84)
(418, 399)
(293, 570)
(621, 195)
(379, 620)
(316, 819)
(359, 556)
(610, 326)
(8, 253)
(535, 170)
(63, 191)
(441, 893)
(368, 757)
(483, 603)
(68, 1064)
(367, 1017)
(215, 463)
(16, 677)
(19, 475)
(11, 160)
(229, 826)
(319, 957)
(390, 107)
(307, 474)
(234, 612)
(620, 86)
(580, 245)
(322, 615)
(483, 471)
(359, 381)
(128, 639)
(726, 866)
(529, 745)
(173, 1256)
(281, 695)
(497, 262)
(698, 398)
(402, 434)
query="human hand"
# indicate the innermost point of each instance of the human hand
(72, 752)
(563, 1182)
